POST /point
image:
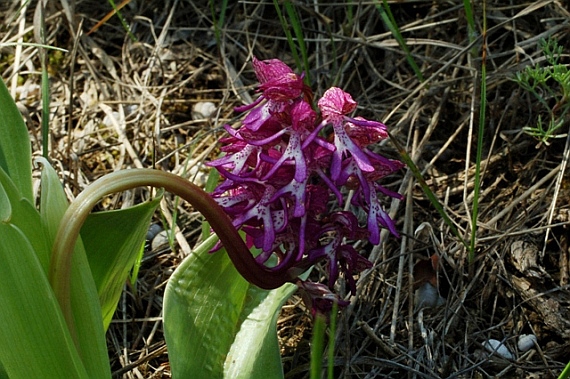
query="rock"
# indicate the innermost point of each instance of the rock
(427, 296)
(153, 230)
(205, 109)
(160, 240)
(498, 348)
(526, 342)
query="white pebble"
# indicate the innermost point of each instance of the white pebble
(160, 240)
(203, 110)
(497, 347)
(526, 342)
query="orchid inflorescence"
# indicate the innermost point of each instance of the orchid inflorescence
(281, 177)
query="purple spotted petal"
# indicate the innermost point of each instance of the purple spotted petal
(335, 104)
(269, 69)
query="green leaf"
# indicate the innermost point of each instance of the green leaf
(216, 324)
(26, 217)
(5, 206)
(3, 373)
(34, 339)
(84, 300)
(113, 241)
(15, 149)
(254, 352)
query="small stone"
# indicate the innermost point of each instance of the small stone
(526, 342)
(203, 109)
(427, 296)
(497, 347)
(152, 231)
(160, 240)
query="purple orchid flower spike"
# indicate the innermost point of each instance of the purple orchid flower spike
(285, 184)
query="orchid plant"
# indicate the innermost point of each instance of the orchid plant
(285, 187)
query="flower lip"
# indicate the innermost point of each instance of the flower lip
(319, 297)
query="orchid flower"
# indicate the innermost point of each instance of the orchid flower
(285, 184)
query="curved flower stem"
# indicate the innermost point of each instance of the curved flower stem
(76, 214)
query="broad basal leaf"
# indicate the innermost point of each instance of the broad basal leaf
(26, 217)
(34, 339)
(84, 299)
(216, 324)
(254, 352)
(5, 206)
(113, 241)
(15, 150)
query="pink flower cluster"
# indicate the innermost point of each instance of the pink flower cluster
(285, 185)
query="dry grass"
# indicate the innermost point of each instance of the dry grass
(119, 102)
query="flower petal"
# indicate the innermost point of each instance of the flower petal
(335, 104)
(269, 69)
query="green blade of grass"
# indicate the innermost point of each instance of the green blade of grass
(470, 20)
(332, 333)
(317, 345)
(482, 107)
(297, 28)
(298, 32)
(391, 24)
(471, 34)
(477, 179)
(350, 13)
(218, 21)
(45, 110)
(285, 26)
(39, 34)
(117, 10)
(31, 44)
(566, 372)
